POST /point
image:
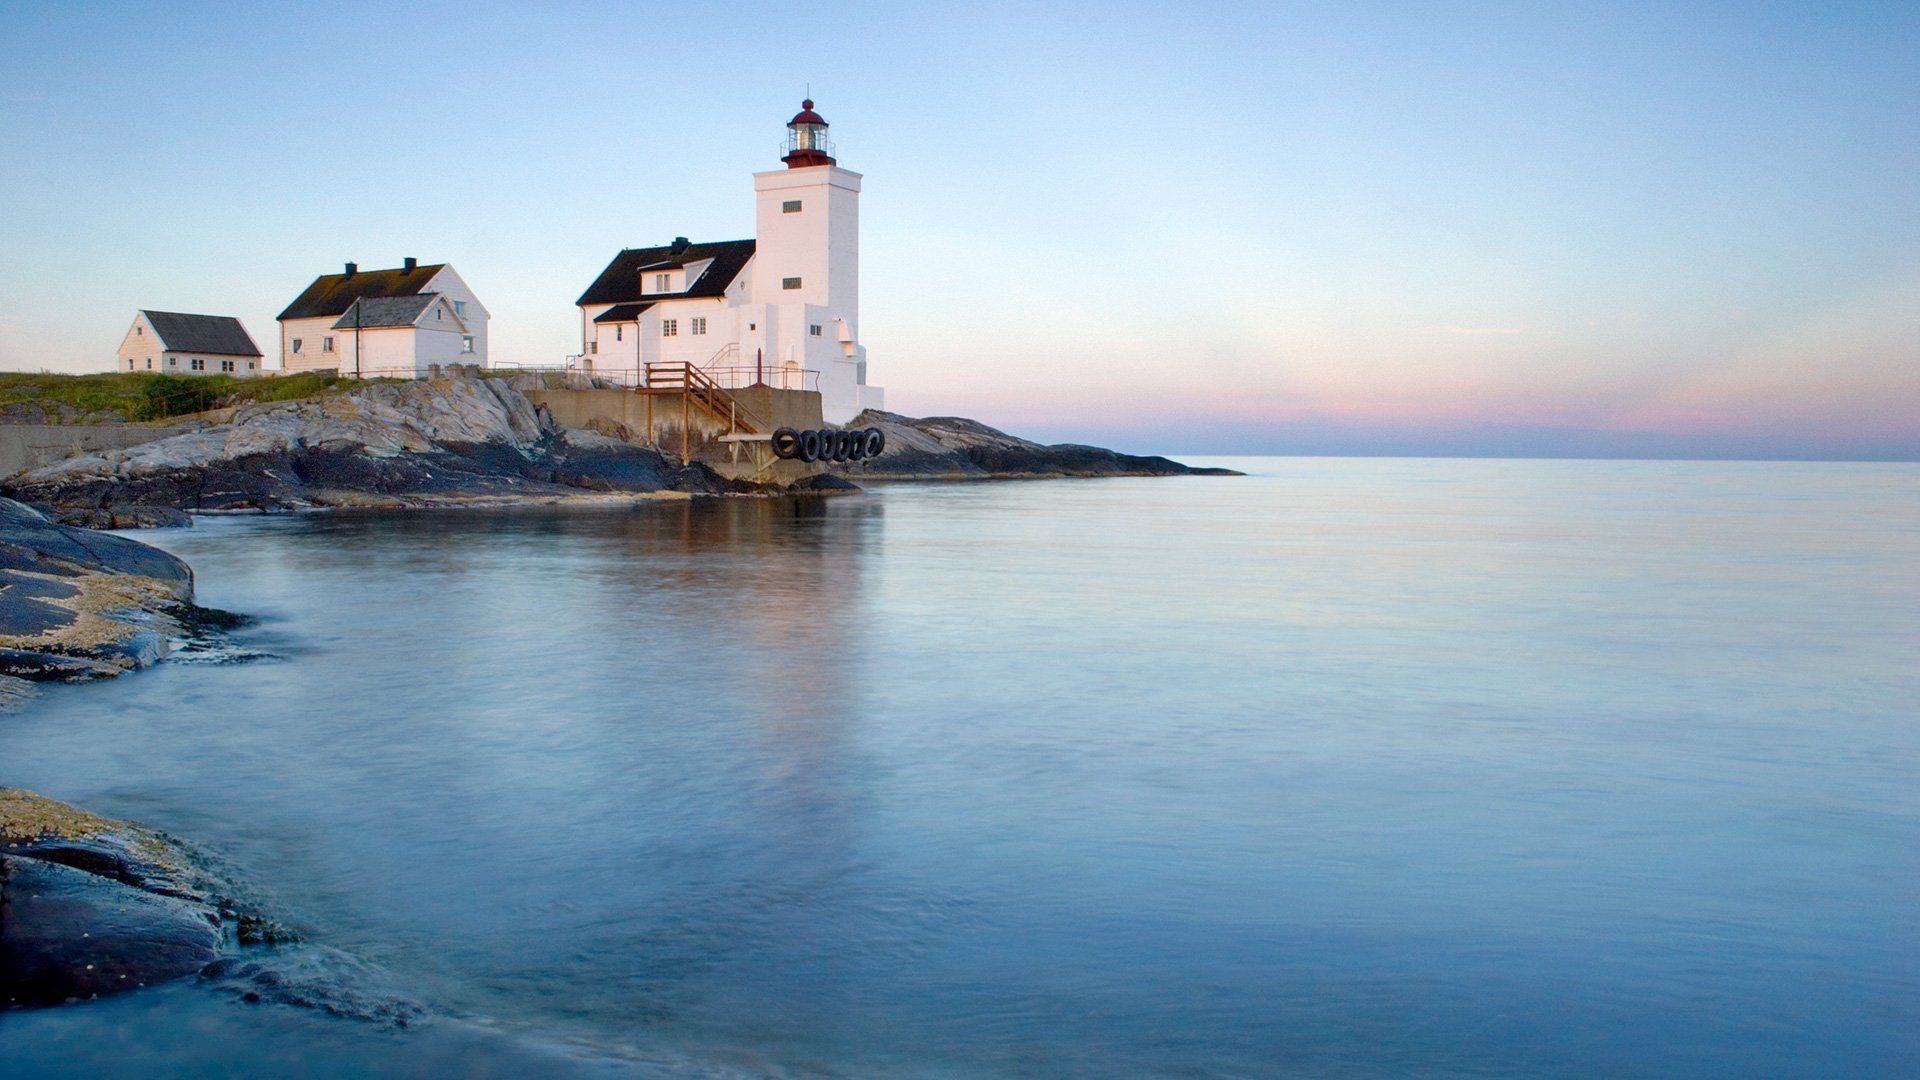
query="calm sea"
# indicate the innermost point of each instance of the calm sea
(1346, 768)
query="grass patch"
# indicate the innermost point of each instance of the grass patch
(142, 395)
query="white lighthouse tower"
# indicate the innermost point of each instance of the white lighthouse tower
(806, 270)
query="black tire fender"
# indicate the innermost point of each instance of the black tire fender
(876, 441)
(786, 443)
(809, 448)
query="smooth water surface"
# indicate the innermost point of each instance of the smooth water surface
(1348, 768)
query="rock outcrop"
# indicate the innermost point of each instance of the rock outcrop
(954, 448)
(77, 604)
(90, 906)
(440, 442)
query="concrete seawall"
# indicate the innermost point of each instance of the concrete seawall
(656, 422)
(29, 446)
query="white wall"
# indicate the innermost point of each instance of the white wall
(449, 284)
(140, 351)
(820, 245)
(627, 347)
(312, 334)
(389, 352)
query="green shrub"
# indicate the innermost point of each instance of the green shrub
(162, 396)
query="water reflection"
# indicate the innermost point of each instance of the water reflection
(1486, 768)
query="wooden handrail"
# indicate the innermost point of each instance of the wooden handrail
(701, 389)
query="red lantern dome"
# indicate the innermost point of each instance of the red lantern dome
(807, 143)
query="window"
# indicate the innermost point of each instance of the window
(249, 365)
(226, 365)
(669, 327)
(460, 308)
(593, 347)
(149, 363)
(173, 361)
(326, 343)
(698, 326)
(662, 282)
(789, 282)
(791, 206)
(197, 364)
(753, 326)
(139, 331)
(129, 365)
(296, 344)
(466, 343)
(616, 331)
(814, 330)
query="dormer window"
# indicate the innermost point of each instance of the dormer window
(663, 283)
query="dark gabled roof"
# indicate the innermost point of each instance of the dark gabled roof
(221, 335)
(373, 312)
(619, 283)
(333, 294)
(622, 312)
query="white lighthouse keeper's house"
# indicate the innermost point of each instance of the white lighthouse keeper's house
(781, 309)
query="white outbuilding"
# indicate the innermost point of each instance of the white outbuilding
(393, 323)
(781, 310)
(177, 343)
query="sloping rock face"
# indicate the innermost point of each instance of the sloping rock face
(77, 604)
(441, 442)
(90, 906)
(954, 448)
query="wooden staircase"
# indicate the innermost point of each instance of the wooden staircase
(697, 390)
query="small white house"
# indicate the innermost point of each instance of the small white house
(176, 343)
(781, 309)
(384, 323)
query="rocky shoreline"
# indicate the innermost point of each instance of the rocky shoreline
(77, 604)
(447, 442)
(90, 906)
(955, 448)
(470, 441)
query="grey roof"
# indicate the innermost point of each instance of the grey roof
(370, 312)
(622, 313)
(220, 335)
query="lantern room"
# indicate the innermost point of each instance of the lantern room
(807, 139)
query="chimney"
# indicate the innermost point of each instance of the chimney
(408, 264)
(352, 269)
(680, 244)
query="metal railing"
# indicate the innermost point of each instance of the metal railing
(730, 378)
(587, 376)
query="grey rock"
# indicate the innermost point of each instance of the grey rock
(77, 604)
(955, 448)
(423, 443)
(68, 935)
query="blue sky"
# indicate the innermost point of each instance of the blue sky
(1346, 228)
